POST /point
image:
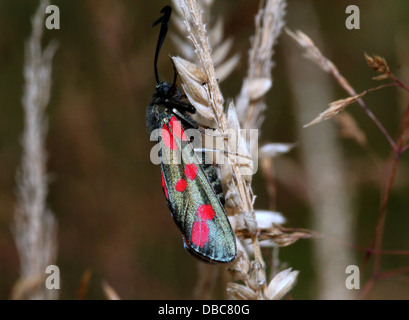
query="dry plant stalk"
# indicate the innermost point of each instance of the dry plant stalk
(35, 227)
(220, 46)
(269, 22)
(379, 65)
(312, 53)
(201, 86)
(334, 108)
(110, 292)
(327, 191)
(84, 285)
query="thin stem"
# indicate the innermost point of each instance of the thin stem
(393, 272)
(316, 56)
(367, 287)
(369, 251)
(348, 88)
(384, 275)
(381, 221)
(400, 83)
(395, 252)
(380, 226)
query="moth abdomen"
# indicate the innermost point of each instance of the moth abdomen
(214, 180)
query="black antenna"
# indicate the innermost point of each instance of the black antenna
(167, 11)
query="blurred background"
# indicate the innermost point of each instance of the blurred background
(106, 194)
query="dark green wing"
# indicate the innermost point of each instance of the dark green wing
(194, 204)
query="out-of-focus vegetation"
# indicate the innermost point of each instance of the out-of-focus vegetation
(106, 194)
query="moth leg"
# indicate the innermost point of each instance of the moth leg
(211, 134)
(189, 121)
(178, 104)
(203, 150)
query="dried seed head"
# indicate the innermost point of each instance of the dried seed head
(194, 85)
(189, 70)
(238, 152)
(281, 284)
(220, 53)
(110, 292)
(249, 222)
(266, 219)
(282, 237)
(240, 268)
(236, 142)
(232, 121)
(215, 33)
(256, 88)
(244, 223)
(275, 236)
(186, 24)
(378, 64)
(349, 129)
(335, 108)
(381, 77)
(311, 50)
(224, 69)
(272, 150)
(257, 276)
(226, 172)
(184, 48)
(239, 292)
(237, 221)
(232, 204)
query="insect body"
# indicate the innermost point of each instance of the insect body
(192, 188)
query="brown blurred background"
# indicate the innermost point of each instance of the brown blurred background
(106, 194)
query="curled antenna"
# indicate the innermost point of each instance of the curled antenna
(167, 11)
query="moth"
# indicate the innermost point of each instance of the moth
(192, 188)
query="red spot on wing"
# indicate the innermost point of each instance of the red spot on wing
(206, 212)
(200, 233)
(181, 185)
(200, 229)
(164, 187)
(191, 171)
(167, 138)
(177, 129)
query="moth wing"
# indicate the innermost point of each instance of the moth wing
(194, 205)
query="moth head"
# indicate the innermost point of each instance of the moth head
(167, 90)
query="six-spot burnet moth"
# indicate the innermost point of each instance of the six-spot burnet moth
(191, 186)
